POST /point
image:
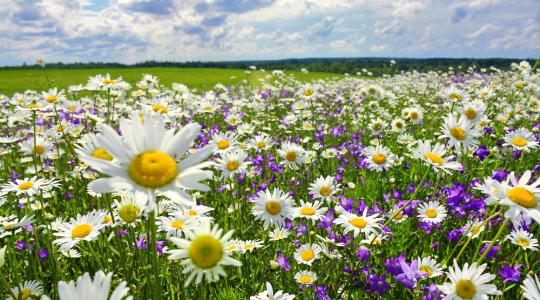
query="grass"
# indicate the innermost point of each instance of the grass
(12, 81)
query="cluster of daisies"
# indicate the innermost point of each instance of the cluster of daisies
(406, 186)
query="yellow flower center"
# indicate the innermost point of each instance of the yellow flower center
(455, 97)
(523, 197)
(160, 108)
(325, 191)
(307, 211)
(431, 213)
(372, 90)
(26, 185)
(107, 219)
(153, 169)
(51, 98)
(223, 144)
(39, 149)
(290, 156)
(465, 289)
(522, 242)
(458, 133)
(399, 215)
(471, 114)
(426, 270)
(273, 207)
(205, 251)
(81, 231)
(129, 213)
(305, 279)
(475, 230)
(25, 293)
(307, 255)
(232, 165)
(308, 92)
(108, 81)
(33, 106)
(192, 213)
(177, 224)
(261, 145)
(72, 108)
(102, 154)
(358, 222)
(519, 85)
(519, 142)
(60, 128)
(379, 158)
(414, 115)
(434, 158)
(399, 125)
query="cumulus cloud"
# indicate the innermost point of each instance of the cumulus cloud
(136, 30)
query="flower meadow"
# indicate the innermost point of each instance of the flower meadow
(409, 186)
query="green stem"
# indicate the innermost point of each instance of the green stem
(492, 243)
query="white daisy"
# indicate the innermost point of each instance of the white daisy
(150, 159)
(232, 162)
(379, 158)
(308, 210)
(524, 239)
(270, 295)
(460, 133)
(202, 253)
(81, 228)
(429, 266)
(520, 196)
(521, 139)
(292, 155)
(307, 254)
(324, 187)
(363, 223)
(531, 287)
(27, 290)
(86, 288)
(272, 207)
(468, 283)
(435, 156)
(305, 277)
(431, 212)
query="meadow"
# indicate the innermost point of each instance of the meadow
(191, 184)
(201, 79)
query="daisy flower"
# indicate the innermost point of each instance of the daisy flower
(377, 126)
(261, 142)
(270, 295)
(398, 125)
(531, 287)
(364, 223)
(292, 155)
(130, 207)
(53, 95)
(202, 253)
(491, 188)
(87, 146)
(29, 186)
(379, 158)
(468, 283)
(416, 115)
(474, 228)
(429, 266)
(435, 156)
(460, 133)
(176, 224)
(81, 228)
(40, 148)
(431, 212)
(278, 234)
(305, 277)
(308, 210)
(524, 239)
(324, 187)
(232, 162)
(307, 254)
(520, 196)
(521, 139)
(26, 290)
(150, 159)
(86, 288)
(250, 245)
(198, 212)
(272, 207)
(473, 111)
(223, 141)
(455, 94)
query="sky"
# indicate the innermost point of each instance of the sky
(130, 31)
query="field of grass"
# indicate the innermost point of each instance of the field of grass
(12, 81)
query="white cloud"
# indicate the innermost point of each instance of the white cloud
(378, 48)
(485, 28)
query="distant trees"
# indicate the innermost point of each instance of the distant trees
(375, 65)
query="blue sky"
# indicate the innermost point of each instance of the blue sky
(129, 31)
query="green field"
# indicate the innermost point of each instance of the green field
(12, 81)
